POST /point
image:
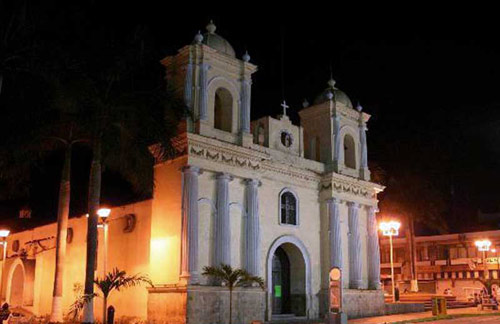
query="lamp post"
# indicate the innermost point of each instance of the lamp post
(483, 246)
(104, 213)
(3, 234)
(391, 229)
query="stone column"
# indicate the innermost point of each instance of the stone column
(355, 281)
(334, 233)
(363, 165)
(203, 98)
(336, 140)
(189, 231)
(188, 83)
(245, 105)
(252, 256)
(222, 224)
(373, 250)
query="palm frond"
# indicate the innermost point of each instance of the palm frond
(118, 280)
(232, 277)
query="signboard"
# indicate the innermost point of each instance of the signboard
(277, 291)
(335, 290)
(493, 260)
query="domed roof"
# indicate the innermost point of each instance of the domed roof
(338, 95)
(217, 42)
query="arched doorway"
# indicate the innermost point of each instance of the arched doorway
(17, 287)
(288, 278)
(281, 282)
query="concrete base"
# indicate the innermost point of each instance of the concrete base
(204, 305)
(401, 308)
(340, 318)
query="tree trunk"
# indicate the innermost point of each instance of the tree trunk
(56, 315)
(230, 305)
(94, 201)
(104, 309)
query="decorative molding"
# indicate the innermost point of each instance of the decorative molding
(348, 188)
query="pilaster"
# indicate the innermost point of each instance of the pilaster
(355, 264)
(222, 253)
(189, 231)
(373, 250)
(252, 255)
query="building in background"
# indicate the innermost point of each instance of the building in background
(450, 261)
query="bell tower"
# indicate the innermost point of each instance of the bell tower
(335, 133)
(215, 85)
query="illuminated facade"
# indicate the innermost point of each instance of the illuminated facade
(284, 202)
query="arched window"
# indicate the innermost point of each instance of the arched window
(349, 152)
(223, 110)
(288, 208)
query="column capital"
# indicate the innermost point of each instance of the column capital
(333, 200)
(353, 204)
(191, 169)
(224, 176)
(252, 182)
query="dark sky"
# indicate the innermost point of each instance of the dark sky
(434, 103)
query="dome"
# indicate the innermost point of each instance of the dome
(217, 42)
(338, 95)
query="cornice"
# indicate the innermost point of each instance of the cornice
(343, 184)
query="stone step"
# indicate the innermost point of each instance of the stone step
(289, 318)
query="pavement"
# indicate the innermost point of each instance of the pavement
(483, 319)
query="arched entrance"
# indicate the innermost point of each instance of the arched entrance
(17, 287)
(288, 278)
(20, 282)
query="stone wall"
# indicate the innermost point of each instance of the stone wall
(204, 305)
(363, 303)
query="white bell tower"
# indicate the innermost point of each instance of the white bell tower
(215, 85)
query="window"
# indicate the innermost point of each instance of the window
(223, 110)
(349, 152)
(288, 208)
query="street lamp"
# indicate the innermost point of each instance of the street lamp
(3, 234)
(104, 213)
(391, 229)
(483, 246)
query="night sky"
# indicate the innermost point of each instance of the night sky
(434, 103)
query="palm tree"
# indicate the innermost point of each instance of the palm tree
(127, 117)
(118, 280)
(232, 278)
(53, 128)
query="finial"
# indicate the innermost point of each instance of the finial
(329, 95)
(246, 57)
(198, 38)
(358, 107)
(211, 27)
(305, 103)
(331, 83)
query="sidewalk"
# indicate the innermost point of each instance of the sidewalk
(414, 316)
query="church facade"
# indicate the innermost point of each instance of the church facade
(285, 202)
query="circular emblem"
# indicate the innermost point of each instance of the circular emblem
(286, 139)
(335, 274)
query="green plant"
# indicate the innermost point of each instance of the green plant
(232, 278)
(117, 280)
